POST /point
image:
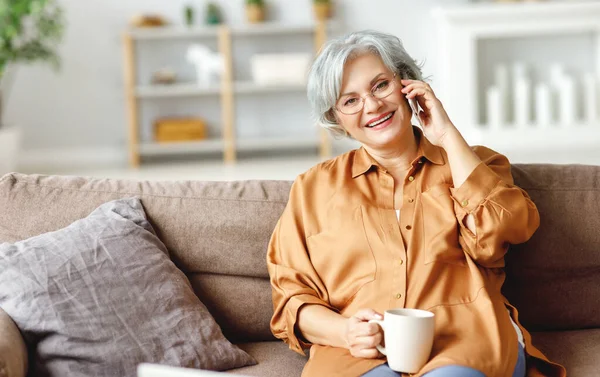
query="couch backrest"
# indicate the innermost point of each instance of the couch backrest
(554, 278)
(217, 232)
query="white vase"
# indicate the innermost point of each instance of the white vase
(10, 143)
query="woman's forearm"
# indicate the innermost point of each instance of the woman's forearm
(461, 157)
(320, 325)
(462, 162)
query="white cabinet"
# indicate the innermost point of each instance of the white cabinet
(545, 33)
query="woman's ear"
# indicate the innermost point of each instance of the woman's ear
(330, 116)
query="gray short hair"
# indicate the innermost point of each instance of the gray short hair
(326, 72)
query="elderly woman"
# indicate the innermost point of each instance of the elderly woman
(415, 218)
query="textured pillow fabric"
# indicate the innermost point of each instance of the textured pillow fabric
(101, 296)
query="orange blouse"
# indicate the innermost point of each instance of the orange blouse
(339, 244)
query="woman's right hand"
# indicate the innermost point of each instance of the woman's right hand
(362, 337)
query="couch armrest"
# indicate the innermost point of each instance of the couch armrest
(13, 353)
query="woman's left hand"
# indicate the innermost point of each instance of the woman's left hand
(435, 120)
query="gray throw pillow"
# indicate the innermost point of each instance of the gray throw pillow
(101, 296)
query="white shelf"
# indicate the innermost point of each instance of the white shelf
(187, 147)
(582, 12)
(190, 89)
(175, 90)
(242, 144)
(173, 32)
(276, 143)
(460, 28)
(225, 92)
(535, 137)
(277, 28)
(249, 87)
(182, 32)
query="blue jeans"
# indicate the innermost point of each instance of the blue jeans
(450, 370)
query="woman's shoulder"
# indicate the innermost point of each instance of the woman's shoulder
(333, 168)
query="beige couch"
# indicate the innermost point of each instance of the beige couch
(218, 232)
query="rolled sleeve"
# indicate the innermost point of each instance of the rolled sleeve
(288, 332)
(503, 213)
(476, 188)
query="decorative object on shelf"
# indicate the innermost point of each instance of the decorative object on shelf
(282, 68)
(322, 9)
(164, 76)
(522, 95)
(590, 98)
(169, 130)
(213, 14)
(255, 11)
(209, 65)
(543, 105)
(189, 15)
(148, 20)
(497, 97)
(562, 99)
(566, 96)
(495, 107)
(30, 31)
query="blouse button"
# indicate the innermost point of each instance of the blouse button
(411, 178)
(408, 227)
(398, 296)
(465, 203)
(411, 200)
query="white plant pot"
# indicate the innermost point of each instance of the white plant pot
(10, 143)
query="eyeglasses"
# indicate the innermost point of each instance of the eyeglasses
(353, 103)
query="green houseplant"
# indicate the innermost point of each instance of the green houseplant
(322, 9)
(30, 30)
(255, 11)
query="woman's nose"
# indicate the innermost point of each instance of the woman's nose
(372, 103)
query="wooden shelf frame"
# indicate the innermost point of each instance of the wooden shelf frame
(228, 89)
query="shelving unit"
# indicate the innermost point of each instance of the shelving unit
(462, 29)
(227, 91)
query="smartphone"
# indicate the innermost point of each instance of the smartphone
(415, 108)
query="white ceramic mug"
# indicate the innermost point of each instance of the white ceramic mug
(408, 335)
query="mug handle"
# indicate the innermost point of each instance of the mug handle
(380, 348)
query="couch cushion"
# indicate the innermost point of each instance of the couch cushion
(577, 350)
(274, 358)
(554, 278)
(101, 295)
(241, 305)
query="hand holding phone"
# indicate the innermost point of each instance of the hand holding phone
(414, 105)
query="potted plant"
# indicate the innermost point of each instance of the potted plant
(29, 31)
(213, 14)
(255, 11)
(322, 9)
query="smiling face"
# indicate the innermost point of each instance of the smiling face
(382, 122)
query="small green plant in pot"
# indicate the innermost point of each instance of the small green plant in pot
(30, 31)
(255, 11)
(322, 9)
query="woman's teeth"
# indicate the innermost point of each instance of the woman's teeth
(371, 125)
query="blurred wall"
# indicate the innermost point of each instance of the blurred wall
(79, 112)
(78, 116)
